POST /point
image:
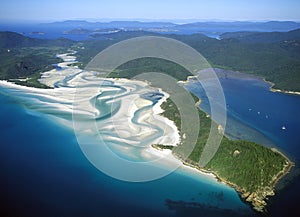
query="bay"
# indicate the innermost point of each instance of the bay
(269, 118)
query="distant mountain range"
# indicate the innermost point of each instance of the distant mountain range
(213, 26)
(212, 29)
(244, 26)
(82, 30)
(112, 24)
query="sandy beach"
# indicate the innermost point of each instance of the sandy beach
(135, 123)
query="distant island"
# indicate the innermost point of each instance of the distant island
(77, 31)
(37, 33)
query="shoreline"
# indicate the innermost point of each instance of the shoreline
(287, 168)
(243, 75)
(254, 76)
(274, 90)
(284, 91)
(257, 202)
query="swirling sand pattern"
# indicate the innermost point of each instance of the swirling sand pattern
(124, 111)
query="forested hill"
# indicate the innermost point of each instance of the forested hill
(274, 56)
(263, 37)
(24, 57)
(278, 62)
(270, 26)
(15, 40)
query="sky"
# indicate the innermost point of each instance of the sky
(228, 10)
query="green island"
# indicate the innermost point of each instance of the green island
(252, 169)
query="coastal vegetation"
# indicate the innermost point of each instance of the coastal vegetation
(22, 59)
(20, 63)
(250, 168)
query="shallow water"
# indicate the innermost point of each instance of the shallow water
(44, 173)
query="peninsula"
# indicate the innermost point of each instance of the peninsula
(251, 169)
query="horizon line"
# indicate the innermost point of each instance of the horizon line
(143, 20)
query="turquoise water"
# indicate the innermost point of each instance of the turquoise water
(44, 173)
